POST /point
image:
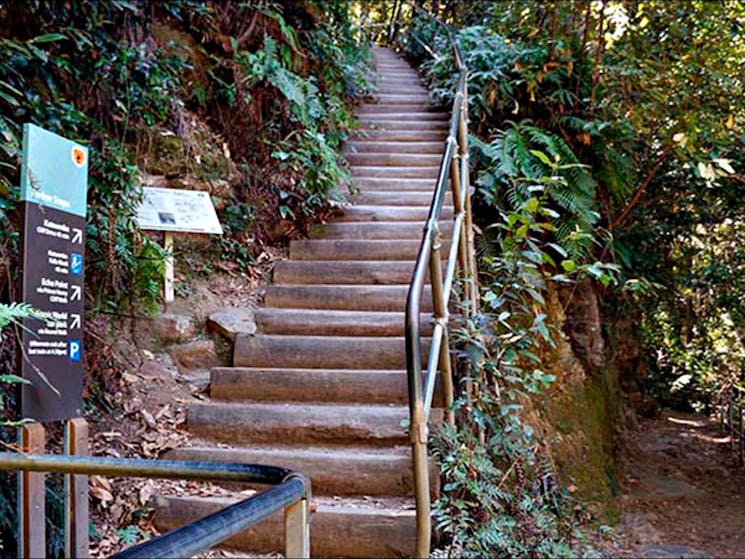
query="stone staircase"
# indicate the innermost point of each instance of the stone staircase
(321, 387)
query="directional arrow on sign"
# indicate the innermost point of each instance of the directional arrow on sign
(77, 235)
(75, 323)
(76, 293)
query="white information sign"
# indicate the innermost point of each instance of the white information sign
(186, 211)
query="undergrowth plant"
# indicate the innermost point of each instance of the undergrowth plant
(501, 497)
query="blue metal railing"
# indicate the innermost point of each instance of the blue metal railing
(292, 492)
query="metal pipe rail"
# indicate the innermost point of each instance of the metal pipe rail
(292, 492)
(455, 169)
(731, 414)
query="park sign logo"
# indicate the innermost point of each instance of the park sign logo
(54, 181)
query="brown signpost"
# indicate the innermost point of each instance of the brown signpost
(54, 179)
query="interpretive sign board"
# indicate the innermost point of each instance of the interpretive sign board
(171, 210)
(185, 211)
(54, 180)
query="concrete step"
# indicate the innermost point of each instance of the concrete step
(393, 230)
(342, 386)
(390, 213)
(320, 352)
(332, 471)
(369, 386)
(357, 249)
(376, 146)
(304, 423)
(402, 135)
(394, 159)
(343, 297)
(316, 322)
(407, 117)
(357, 530)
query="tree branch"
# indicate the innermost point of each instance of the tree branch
(639, 191)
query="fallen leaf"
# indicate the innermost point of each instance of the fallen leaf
(146, 491)
(100, 481)
(102, 495)
(149, 419)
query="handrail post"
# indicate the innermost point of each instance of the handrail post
(297, 529)
(470, 271)
(441, 315)
(297, 522)
(419, 433)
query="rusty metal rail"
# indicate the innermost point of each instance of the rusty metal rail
(291, 493)
(454, 170)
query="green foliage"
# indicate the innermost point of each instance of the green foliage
(644, 95)
(49, 79)
(524, 163)
(96, 73)
(500, 496)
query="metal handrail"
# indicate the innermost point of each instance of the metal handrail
(292, 492)
(453, 167)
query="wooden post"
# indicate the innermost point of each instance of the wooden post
(31, 513)
(169, 275)
(76, 492)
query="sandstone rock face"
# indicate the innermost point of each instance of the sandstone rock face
(173, 328)
(199, 355)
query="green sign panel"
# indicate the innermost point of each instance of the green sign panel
(54, 172)
(54, 180)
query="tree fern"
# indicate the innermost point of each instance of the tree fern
(522, 160)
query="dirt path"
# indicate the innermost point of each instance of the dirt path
(685, 492)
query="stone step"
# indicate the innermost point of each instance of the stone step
(367, 386)
(372, 109)
(357, 249)
(394, 159)
(400, 84)
(343, 297)
(417, 118)
(410, 172)
(388, 72)
(390, 213)
(332, 471)
(402, 135)
(398, 198)
(393, 184)
(393, 230)
(376, 146)
(402, 125)
(317, 322)
(394, 89)
(358, 530)
(345, 272)
(320, 352)
(281, 423)
(405, 98)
